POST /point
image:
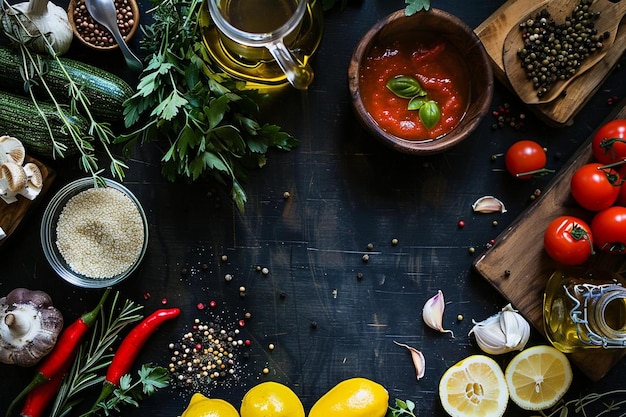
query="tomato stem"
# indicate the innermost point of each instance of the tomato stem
(535, 173)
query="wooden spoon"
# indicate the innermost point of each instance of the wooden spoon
(609, 20)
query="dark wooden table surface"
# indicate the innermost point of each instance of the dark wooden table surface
(346, 191)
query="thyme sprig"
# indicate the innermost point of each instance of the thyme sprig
(94, 356)
(33, 73)
(207, 119)
(611, 402)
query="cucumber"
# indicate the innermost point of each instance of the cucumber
(19, 118)
(106, 92)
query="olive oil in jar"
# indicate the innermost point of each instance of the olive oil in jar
(258, 16)
(583, 310)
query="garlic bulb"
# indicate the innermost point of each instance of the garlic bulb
(39, 25)
(503, 332)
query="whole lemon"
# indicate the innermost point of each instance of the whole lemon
(271, 399)
(201, 406)
(354, 397)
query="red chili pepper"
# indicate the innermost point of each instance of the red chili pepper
(63, 352)
(131, 346)
(39, 398)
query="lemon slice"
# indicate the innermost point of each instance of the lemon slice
(538, 377)
(474, 387)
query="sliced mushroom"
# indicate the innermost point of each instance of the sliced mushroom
(11, 149)
(29, 326)
(34, 181)
(12, 181)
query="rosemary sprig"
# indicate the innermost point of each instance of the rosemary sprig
(33, 73)
(94, 355)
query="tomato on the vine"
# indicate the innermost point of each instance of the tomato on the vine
(609, 142)
(525, 159)
(609, 230)
(594, 186)
(568, 240)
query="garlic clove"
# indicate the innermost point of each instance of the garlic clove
(488, 204)
(432, 313)
(418, 360)
(501, 333)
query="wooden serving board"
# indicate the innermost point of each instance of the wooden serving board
(493, 31)
(519, 251)
(11, 215)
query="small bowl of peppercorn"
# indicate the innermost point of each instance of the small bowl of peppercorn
(420, 83)
(93, 34)
(94, 233)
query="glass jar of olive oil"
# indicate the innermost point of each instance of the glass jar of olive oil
(585, 310)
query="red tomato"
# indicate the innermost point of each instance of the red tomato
(609, 230)
(609, 142)
(525, 157)
(595, 188)
(568, 240)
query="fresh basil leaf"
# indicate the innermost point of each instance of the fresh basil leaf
(430, 114)
(404, 86)
(416, 103)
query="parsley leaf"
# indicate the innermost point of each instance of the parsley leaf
(414, 6)
(208, 119)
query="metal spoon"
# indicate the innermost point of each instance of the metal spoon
(105, 13)
(611, 14)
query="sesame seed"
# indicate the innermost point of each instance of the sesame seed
(100, 233)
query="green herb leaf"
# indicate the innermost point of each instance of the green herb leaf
(416, 103)
(414, 6)
(404, 86)
(430, 114)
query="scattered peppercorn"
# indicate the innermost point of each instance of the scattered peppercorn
(370, 246)
(472, 249)
(286, 195)
(459, 317)
(224, 258)
(365, 258)
(359, 275)
(271, 346)
(313, 325)
(461, 224)
(394, 241)
(266, 371)
(265, 271)
(228, 277)
(494, 223)
(282, 295)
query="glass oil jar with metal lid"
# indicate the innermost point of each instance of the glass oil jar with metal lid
(585, 310)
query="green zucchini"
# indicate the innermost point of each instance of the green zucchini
(106, 92)
(20, 118)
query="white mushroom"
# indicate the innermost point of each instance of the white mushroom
(11, 150)
(34, 181)
(12, 181)
(29, 326)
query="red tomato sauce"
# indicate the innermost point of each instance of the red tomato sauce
(438, 67)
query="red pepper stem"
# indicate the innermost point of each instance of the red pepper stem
(90, 317)
(36, 381)
(107, 389)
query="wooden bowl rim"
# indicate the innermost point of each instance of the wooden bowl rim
(465, 127)
(70, 13)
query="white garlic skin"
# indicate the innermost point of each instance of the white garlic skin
(503, 332)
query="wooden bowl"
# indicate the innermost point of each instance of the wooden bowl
(72, 17)
(435, 24)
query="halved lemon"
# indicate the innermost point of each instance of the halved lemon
(474, 387)
(538, 377)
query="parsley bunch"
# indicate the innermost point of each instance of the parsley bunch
(206, 117)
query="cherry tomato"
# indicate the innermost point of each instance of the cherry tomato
(594, 187)
(568, 240)
(609, 142)
(609, 230)
(621, 197)
(525, 157)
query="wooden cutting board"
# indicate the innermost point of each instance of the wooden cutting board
(560, 112)
(11, 215)
(519, 250)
